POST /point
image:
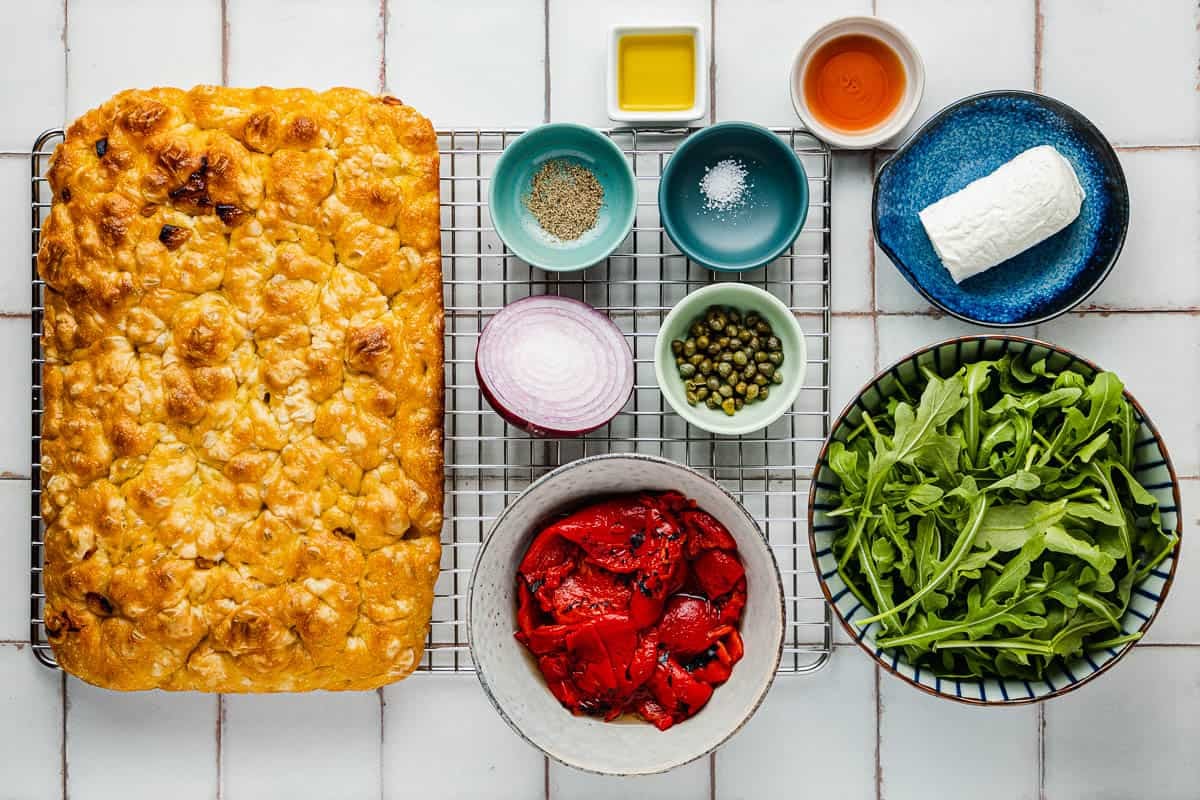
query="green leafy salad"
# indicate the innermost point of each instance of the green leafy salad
(994, 526)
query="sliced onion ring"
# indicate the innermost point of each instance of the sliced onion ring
(554, 366)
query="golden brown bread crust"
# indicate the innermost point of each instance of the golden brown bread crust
(242, 436)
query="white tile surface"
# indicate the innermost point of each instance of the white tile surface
(578, 48)
(441, 728)
(982, 753)
(813, 737)
(690, 782)
(1177, 620)
(30, 727)
(14, 397)
(1131, 733)
(1130, 67)
(958, 60)
(35, 74)
(321, 744)
(14, 232)
(14, 560)
(499, 49)
(899, 336)
(1157, 267)
(174, 732)
(124, 44)
(853, 242)
(892, 292)
(305, 43)
(1156, 355)
(756, 42)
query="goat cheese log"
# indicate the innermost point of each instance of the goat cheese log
(992, 219)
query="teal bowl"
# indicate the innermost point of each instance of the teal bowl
(513, 178)
(751, 234)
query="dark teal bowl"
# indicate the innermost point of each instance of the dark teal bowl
(513, 177)
(752, 234)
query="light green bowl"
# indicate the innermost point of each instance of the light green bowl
(743, 297)
(513, 178)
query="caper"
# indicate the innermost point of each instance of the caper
(725, 357)
(740, 388)
(751, 393)
(697, 359)
(729, 407)
(735, 343)
(777, 377)
(712, 401)
(686, 371)
(702, 342)
(692, 399)
(775, 358)
(724, 368)
(676, 346)
(713, 349)
(701, 392)
(750, 371)
(773, 343)
(723, 341)
(763, 328)
(697, 329)
(767, 369)
(689, 347)
(738, 404)
(678, 360)
(764, 393)
(754, 343)
(713, 383)
(751, 319)
(761, 380)
(706, 366)
(760, 357)
(715, 319)
(725, 390)
(739, 358)
(734, 316)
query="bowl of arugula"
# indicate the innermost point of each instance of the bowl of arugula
(995, 520)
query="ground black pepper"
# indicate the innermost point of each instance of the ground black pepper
(565, 198)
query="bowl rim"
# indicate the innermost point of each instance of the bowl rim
(661, 375)
(822, 458)
(695, 135)
(1106, 152)
(781, 617)
(893, 126)
(626, 220)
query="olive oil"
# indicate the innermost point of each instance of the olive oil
(656, 72)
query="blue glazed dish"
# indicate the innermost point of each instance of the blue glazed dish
(513, 177)
(970, 139)
(751, 234)
(1152, 466)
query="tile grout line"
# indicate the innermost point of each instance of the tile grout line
(382, 706)
(1041, 751)
(224, 42)
(1039, 35)
(712, 775)
(65, 705)
(383, 37)
(546, 118)
(546, 776)
(220, 743)
(712, 64)
(66, 58)
(878, 737)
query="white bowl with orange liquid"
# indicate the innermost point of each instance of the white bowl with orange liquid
(857, 82)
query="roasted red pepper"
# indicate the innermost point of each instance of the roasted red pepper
(631, 606)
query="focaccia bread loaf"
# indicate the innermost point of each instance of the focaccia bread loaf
(242, 435)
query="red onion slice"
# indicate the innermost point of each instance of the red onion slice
(554, 366)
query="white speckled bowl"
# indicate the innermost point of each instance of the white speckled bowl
(510, 677)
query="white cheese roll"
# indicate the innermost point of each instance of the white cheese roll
(992, 219)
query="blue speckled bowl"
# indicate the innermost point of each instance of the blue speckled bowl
(751, 235)
(970, 139)
(1152, 466)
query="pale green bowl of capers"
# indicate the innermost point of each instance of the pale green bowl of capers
(730, 358)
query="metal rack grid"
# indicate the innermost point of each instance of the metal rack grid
(489, 462)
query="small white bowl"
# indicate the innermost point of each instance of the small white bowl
(700, 79)
(510, 677)
(914, 85)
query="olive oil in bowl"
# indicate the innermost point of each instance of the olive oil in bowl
(657, 74)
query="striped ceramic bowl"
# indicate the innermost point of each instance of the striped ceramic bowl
(1153, 469)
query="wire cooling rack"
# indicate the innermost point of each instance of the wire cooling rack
(489, 462)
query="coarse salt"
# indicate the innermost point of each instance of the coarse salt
(724, 185)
